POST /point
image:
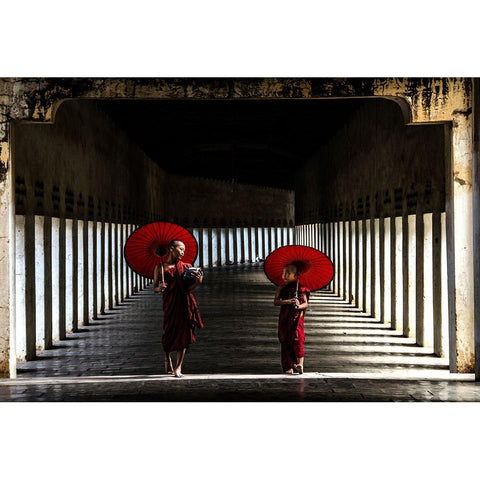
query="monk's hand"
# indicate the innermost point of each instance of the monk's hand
(161, 288)
(198, 277)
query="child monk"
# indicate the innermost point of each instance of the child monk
(293, 300)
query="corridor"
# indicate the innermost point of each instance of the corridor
(349, 356)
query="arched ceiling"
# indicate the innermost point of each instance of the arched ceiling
(258, 142)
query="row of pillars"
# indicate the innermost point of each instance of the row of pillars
(70, 271)
(393, 268)
(226, 246)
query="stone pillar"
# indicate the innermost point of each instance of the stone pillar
(47, 268)
(393, 273)
(7, 268)
(94, 269)
(476, 222)
(381, 268)
(419, 273)
(460, 255)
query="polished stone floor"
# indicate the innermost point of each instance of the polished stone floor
(349, 357)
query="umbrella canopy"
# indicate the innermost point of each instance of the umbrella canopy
(147, 246)
(314, 267)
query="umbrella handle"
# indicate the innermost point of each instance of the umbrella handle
(163, 279)
(296, 295)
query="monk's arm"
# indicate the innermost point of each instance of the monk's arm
(277, 301)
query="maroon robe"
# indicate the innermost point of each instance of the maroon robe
(291, 331)
(181, 313)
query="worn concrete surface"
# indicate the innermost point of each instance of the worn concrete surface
(349, 356)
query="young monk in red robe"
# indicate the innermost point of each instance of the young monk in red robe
(181, 313)
(293, 300)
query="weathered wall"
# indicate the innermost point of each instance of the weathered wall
(84, 166)
(212, 203)
(375, 165)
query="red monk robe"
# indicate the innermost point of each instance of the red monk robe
(181, 313)
(291, 331)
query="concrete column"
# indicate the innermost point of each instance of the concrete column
(227, 245)
(361, 266)
(411, 277)
(401, 264)
(405, 275)
(428, 280)
(20, 288)
(386, 272)
(80, 274)
(69, 275)
(437, 283)
(368, 267)
(246, 244)
(110, 257)
(356, 263)
(258, 246)
(476, 223)
(123, 265)
(102, 241)
(373, 271)
(341, 260)
(337, 258)
(127, 269)
(206, 261)
(30, 288)
(218, 246)
(419, 276)
(75, 275)
(47, 269)
(86, 270)
(131, 273)
(39, 283)
(212, 247)
(351, 260)
(201, 261)
(55, 279)
(376, 268)
(346, 250)
(117, 254)
(91, 262)
(381, 269)
(393, 273)
(253, 245)
(444, 289)
(460, 256)
(94, 268)
(365, 264)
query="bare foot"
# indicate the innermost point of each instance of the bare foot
(289, 371)
(178, 373)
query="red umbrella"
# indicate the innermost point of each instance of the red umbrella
(147, 246)
(314, 267)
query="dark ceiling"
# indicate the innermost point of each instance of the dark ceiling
(259, 142)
